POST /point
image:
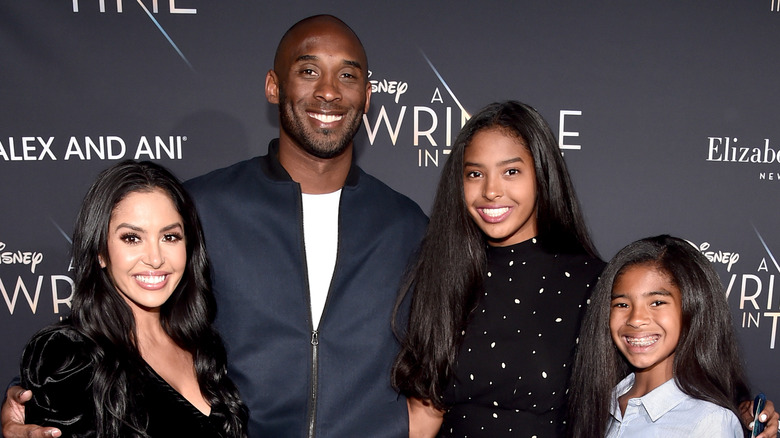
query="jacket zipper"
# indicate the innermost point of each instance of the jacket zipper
(314, 357)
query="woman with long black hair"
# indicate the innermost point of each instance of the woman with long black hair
(138, 356)
(499, 286)
(658, 353)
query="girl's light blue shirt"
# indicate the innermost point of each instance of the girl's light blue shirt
(667, 412)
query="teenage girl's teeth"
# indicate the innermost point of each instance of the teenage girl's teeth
(326, 118)
(150, 279)
(642, 342)
(495, 212)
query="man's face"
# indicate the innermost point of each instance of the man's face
(321, 88)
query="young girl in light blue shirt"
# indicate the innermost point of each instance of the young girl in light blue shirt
(658, 356)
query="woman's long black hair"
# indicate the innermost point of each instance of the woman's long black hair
(447, 273)
(103, 316)
(707, 363)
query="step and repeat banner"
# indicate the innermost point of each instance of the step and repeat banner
(666, 113)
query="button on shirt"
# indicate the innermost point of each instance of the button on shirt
(668, 412)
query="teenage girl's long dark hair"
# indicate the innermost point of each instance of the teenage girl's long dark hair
(707, 363)
(446, 275)
(102, 315)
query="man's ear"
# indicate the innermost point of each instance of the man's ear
(272, 87)
(368, 97)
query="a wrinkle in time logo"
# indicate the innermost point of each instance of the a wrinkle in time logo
(435, 123)
(22, 284)
(149, 7)
(752, 289)
(173, 7)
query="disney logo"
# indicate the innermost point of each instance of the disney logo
(30, 258)
(725, 257)
(396, 88)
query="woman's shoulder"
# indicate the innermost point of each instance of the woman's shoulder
(56, 353)
(58, 365)
(59, 338)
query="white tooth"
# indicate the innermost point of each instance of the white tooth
(495, 212)
(327, 118)
(150, 279)
(642, 342)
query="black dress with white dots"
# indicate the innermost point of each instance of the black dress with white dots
(517, 351)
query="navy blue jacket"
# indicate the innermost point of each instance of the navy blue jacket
(298, 382)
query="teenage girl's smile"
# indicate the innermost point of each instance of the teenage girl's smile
(494, 214)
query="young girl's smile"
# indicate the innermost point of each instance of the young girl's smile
(645, 320)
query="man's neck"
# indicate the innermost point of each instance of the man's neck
(315, 175)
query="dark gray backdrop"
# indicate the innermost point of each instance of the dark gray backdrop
(650, 94)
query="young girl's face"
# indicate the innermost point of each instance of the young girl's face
(499, 184)
(645, 320)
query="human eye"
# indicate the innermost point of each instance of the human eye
(471, 174)
(657, 303)
(350, 76)
(173, 237)
(130, 238)
(619, 304)
(513, 171)
(307, 72)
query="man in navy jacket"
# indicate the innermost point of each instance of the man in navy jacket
(302, 374)
(307, 253)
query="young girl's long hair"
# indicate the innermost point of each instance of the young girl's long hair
(707, 362)
(103, 316)
(447, 273)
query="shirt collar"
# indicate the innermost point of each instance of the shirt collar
(657, 402)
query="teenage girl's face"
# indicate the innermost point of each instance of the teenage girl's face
(499, 184)
(147, 253)
(645, 320)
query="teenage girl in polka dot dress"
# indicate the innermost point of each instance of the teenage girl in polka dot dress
(499, 287)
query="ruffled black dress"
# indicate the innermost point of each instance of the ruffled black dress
(58, 366)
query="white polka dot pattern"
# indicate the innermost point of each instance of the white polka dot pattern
(517, 349)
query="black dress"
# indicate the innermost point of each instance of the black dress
(58, 366)
(517, 351)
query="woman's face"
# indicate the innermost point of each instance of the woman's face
(499, 185)
(645, 320)
(147, 253)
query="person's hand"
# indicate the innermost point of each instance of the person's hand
(768, 416)
(424, 419)
(12, 417)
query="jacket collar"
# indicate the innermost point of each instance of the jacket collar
(273, 168)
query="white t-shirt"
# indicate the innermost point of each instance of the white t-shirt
(321, 236)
